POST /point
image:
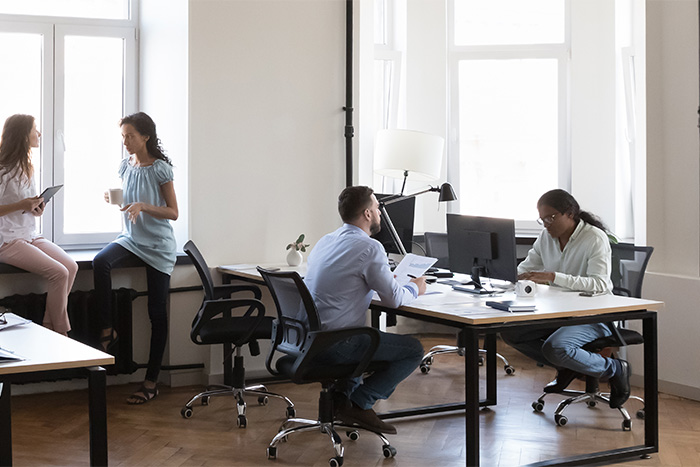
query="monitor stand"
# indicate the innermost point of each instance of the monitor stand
(474, 286)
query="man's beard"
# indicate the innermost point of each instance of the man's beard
(375, 228)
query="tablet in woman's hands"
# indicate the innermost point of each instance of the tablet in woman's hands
(48, 193)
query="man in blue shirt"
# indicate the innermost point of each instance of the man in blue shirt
(345, 268)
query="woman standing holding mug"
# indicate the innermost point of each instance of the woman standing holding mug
(149, 203)
(20, 245)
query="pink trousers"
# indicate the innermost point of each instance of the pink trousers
(49, 261)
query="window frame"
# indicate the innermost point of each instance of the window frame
(53, 29)
(561, 52)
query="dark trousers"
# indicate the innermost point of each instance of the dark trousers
(158, 285)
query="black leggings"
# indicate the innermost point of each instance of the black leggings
(158, 285)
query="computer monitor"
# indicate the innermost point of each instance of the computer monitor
(482, 247)
(402, 213)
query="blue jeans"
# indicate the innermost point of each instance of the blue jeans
(562, 348)
(403, 353)
(158, 287)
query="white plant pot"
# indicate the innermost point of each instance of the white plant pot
(294, 258)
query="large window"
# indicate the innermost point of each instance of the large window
(508, 68)
(78, 78)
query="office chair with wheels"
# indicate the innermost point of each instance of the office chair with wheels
(629, 262)
(299, 339)
(436, 247)
(215, 324)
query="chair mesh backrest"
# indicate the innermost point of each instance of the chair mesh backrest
(296, 312)
(629, 263)
(202, 269)
(436, 247)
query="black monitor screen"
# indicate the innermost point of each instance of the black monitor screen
(401, 213)
(484, 242)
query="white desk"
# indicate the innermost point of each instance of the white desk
(555, 308)
(45, 350)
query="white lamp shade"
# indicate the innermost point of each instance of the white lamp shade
(398, 151)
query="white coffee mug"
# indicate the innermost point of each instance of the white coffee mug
(525, 288)
(116, 196)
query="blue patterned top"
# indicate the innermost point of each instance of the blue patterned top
(150, 238)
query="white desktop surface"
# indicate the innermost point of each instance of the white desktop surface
(43, 349)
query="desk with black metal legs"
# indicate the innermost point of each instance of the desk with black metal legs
(555, 308)
(43, 350)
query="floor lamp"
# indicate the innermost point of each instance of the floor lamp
(409, 154)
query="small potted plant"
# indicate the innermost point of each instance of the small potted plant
(294, 257)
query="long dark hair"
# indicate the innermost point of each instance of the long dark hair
(14, 145)
(147, 127)
(563, 202)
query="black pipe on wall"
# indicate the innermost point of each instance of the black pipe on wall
(349, 129)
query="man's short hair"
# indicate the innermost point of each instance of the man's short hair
(352, 202)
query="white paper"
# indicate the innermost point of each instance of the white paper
(13, 320)
(412, 265)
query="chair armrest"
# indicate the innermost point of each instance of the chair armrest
(225, 290)
(212, 308)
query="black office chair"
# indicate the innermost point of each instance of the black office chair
(629, 263)
(436, 247)
(298, 336)
(215, 324)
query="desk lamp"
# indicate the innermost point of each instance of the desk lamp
(409, 154)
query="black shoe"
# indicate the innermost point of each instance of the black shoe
(564, 377)
(351, 414)
(620, 385)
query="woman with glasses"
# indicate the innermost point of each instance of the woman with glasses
(20, 244)
(572, 252)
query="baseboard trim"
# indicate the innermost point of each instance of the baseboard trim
(668, 387)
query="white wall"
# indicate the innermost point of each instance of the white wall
(673, 188)
(266, 124)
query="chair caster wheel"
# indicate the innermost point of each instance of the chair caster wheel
(626, 425)
(428, 361)
(591, 404)
(263, 400)
(205, 400)
(186, 412)
(560, 420)
(241, 421)
(424, 369)
(354, 435)
(641, 414)
(509, 370)
(335, 461)
(389, 451)
(271, 453)
(481, 361)
(291, 412)
(538, 406)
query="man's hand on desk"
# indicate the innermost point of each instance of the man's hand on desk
(420, 282)
(538, 277)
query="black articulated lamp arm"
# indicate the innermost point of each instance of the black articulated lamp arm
(392, 230)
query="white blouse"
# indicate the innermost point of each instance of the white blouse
(16, 225)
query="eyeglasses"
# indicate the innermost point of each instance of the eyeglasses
(547, 220)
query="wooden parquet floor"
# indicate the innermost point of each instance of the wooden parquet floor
(51, 429)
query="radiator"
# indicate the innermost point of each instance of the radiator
(85, 321)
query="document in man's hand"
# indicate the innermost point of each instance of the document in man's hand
(512, 306)
(412, 266)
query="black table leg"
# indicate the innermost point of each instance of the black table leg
(97, 385)
(5, 424)
(651, 383)
(471, 389)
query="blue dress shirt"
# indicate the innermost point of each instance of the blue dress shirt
(344, 269)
